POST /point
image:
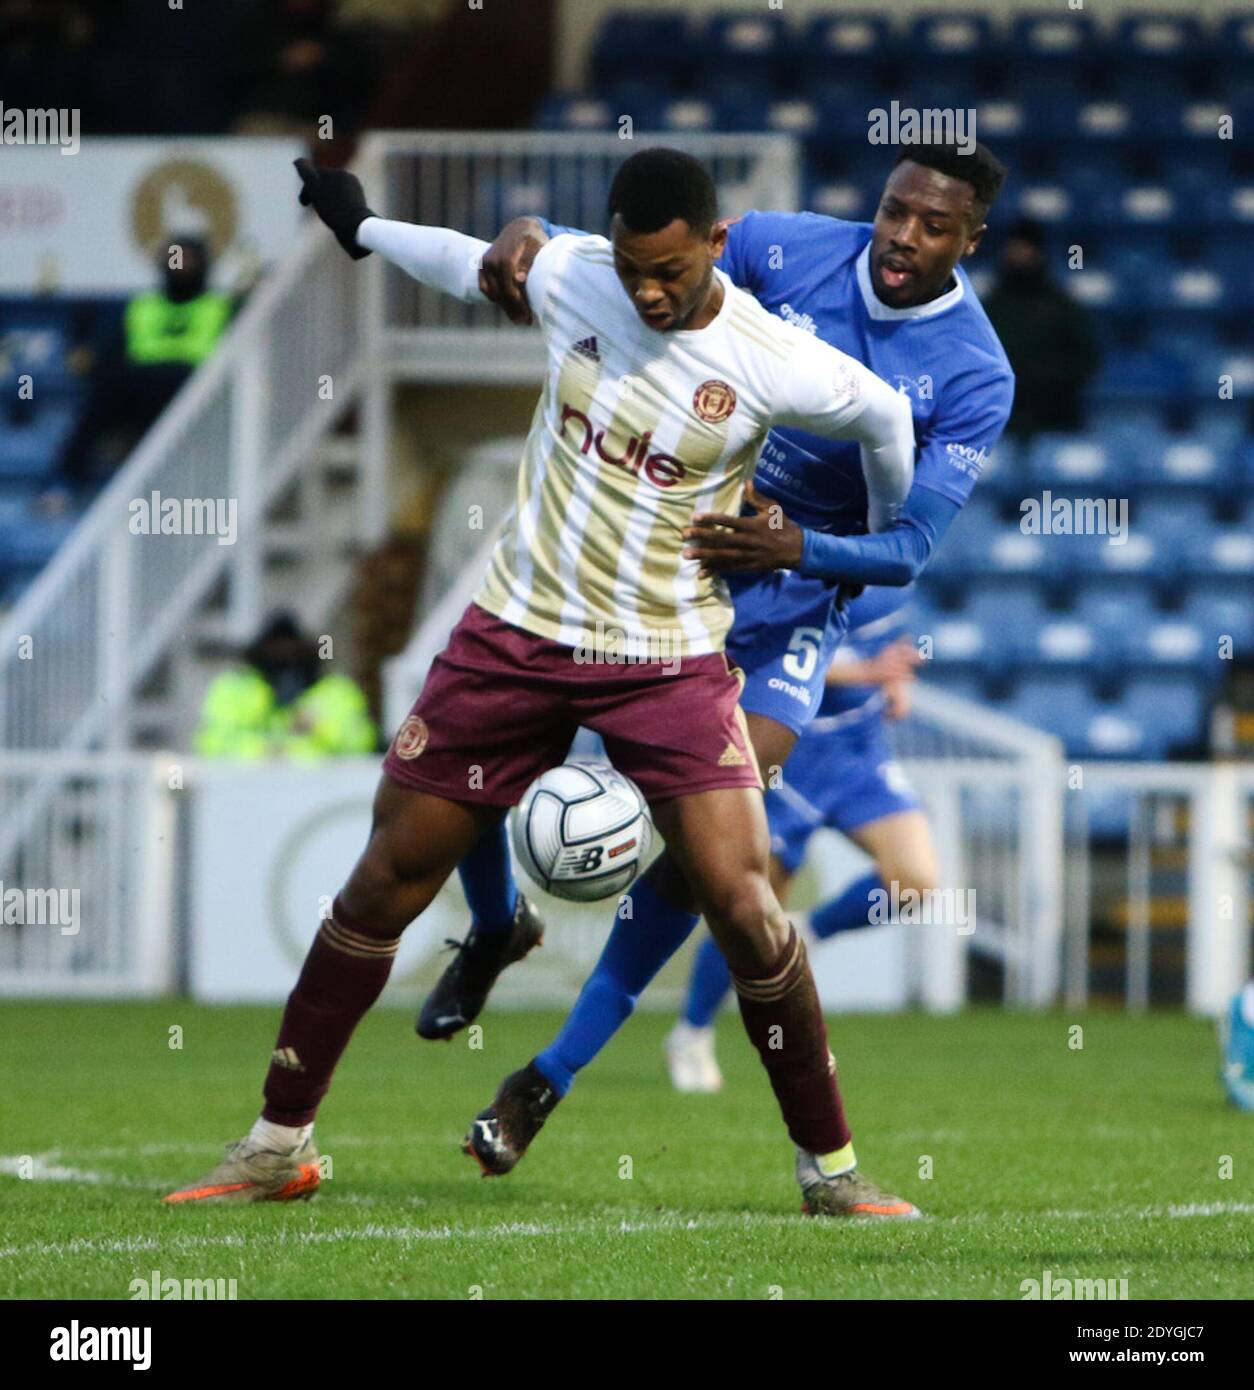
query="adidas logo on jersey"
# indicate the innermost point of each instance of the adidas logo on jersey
(587, 347)
(732, 756)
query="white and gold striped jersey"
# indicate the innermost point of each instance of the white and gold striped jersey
(637, 430)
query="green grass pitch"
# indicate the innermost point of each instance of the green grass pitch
(1100, 1162)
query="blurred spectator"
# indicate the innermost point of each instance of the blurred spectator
(278, 704)
(1047, 336)
(294, 65)
(167, 333)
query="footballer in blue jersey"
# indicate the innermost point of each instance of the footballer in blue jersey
(893, 294)
(844, 776)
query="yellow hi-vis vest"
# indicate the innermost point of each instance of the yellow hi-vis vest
(242, 719)
(158, 330)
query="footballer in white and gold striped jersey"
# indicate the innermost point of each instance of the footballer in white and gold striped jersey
(637, 430)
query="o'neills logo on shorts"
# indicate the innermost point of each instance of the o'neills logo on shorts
(662, 470)
(714, 401)
(411, 738)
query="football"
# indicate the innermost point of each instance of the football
(582, 831)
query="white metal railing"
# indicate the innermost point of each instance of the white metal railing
(1196, 817)
(477, 182)
(113, 599)
(105, 848)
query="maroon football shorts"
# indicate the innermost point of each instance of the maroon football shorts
(500, 706)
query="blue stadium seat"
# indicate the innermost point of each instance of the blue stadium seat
(958, 643)
(840, 198)
(1220, 425)
(1008, 552)
(834, 48)
(954, 37)
(1073, 461)
(1063, 705)
(745, 47)
(1173, 465)
(1182, 520)
(573, 111)
(658, 44)
(31, 450)
(973, 533)
(1156, 48)
(36, 338)
(1219, 612)
(1232, 57)
(1142, 373)
(1169, 709)
(1175, 643)
(963, 684)
(1009, 614)
(30, 544)
(1152, 560)
(1071, 643)
(1061, 40)
(694, 111)
(1229, 552)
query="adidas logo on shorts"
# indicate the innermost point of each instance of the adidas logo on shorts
(732, 756)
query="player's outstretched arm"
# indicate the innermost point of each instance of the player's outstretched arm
(831, 394)
(437, 256)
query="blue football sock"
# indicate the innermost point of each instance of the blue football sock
(848, 912)
(488, 881)
(639, 946)
(707, 986)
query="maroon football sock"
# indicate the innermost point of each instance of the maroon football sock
(343, 974)
(782, 1016)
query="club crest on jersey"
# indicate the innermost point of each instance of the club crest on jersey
(411, 738)
(714, 401)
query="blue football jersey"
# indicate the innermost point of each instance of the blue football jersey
(814, 271)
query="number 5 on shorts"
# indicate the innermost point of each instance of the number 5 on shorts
(803, 652)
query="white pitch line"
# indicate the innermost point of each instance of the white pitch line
(419, 1234)
(44, 1170)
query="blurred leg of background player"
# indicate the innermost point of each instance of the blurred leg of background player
(901, 845)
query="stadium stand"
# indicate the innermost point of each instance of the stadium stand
(1110, 135)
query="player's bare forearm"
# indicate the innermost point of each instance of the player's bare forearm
(506, 265)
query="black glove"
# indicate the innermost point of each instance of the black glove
(339, 199)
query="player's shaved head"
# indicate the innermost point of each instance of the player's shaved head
(656, 186)
(931, 214)
(666, 237)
